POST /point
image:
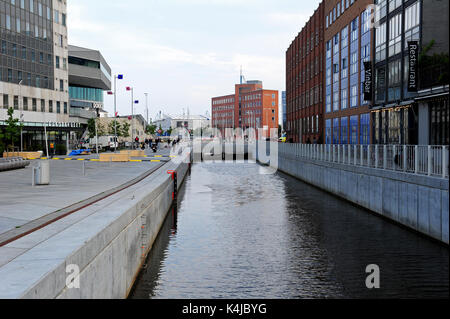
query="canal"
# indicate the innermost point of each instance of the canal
(240, 233)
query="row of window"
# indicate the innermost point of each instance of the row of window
(339, 9)
(344, 130)
(29, 79)
(27, 54)
(41, 8)
(33, 104)
(223, 101)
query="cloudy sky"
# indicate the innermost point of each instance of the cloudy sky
(183, 52)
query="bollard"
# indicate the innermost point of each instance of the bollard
(84, 168)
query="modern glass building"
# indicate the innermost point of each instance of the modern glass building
(89, 77)
(34, 69)
(411, 72)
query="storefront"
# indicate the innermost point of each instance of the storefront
(396, 124)
(58, 135)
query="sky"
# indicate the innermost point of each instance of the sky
(184, 52)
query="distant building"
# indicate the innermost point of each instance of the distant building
(250, 106)
(190, 122)
(137, 126)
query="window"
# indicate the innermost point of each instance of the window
(380, 43)
(343, 99)
(5, 101)
(395, 34)
(328, 139)
(344, 130)
(353, 130)
(364, 132)
(354, 63)
(394, 4)
(381, 12)
(354, 30)
(25, 104)
(394, 80)
(344, 68)
(16, 102)
(42, 105)
(65, 107)
(354, 96)
(57, 62)
(56, 16)
(50, 106)
(58, 107)
(335, 101)
(412, 22)
(61, 85)
(34, 105)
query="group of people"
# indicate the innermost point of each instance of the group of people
(155, 143)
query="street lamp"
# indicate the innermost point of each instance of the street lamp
(120, 77)
(146, 106)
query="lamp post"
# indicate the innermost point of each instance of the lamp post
(116, 140)
(146, 106)
(21, 115)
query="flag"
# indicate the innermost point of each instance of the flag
(110, 93)
(117, 114)
(128, 88)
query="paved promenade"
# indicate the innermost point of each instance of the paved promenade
(21, 203)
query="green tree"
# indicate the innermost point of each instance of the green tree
(112, 130)
(169, 131)
(11, 132)
(125, 131)
(150, 129)
(91, 128)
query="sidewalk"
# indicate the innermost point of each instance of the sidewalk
(20, 203)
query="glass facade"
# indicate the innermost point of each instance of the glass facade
(86, 94)
(26, 43)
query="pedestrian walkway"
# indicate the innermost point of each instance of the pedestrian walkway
(21, 203)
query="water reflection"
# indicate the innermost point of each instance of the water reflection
(241, 234)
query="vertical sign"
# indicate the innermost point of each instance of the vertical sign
(368, 81)
(413, 50)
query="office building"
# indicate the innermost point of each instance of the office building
(250, 106)
(348, 46)
(304, 82)
(411, 73)
(34, 70)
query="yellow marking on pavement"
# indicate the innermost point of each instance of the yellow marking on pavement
(158, 155)
(172, 156)
(67, 159)
(56, 159)
(155, 161)
(95, 160)
(135, 160)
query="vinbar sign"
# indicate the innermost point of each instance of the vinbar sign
(367, 81)
(413, 50)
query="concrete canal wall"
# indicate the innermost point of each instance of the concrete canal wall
(106, 242)
(416, 201)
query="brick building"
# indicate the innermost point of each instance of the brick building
(250, 106)
(304, 82)
(348, 44)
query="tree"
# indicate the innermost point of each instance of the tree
(125, 130)
(169, 131)
(91, 128)
(150, 129)
(113, 127)
(11, 132)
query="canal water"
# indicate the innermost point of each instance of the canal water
(241, 233)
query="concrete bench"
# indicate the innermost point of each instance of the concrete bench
(134, 153)
(24, 155)
(111, 157)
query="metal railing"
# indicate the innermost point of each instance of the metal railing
(427, 160)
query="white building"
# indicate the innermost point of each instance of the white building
(191, 122)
